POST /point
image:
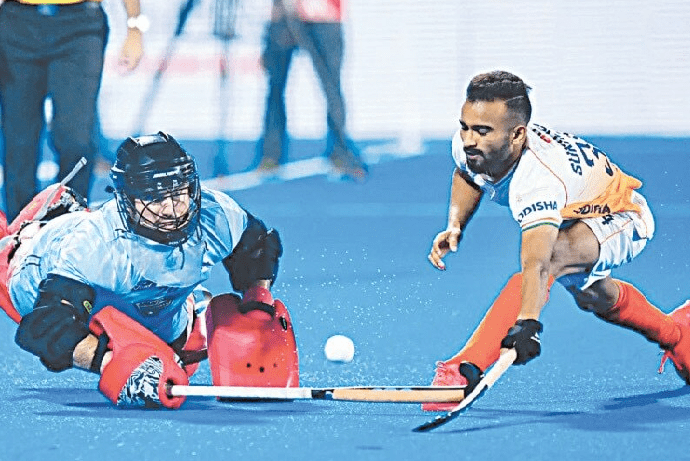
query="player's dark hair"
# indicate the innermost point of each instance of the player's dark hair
(503, 86)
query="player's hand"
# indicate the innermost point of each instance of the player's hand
(445, 242)
(132, 50)
(524, 338)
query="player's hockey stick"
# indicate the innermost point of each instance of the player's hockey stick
(504, 362)
(394, 394)
(154, 87)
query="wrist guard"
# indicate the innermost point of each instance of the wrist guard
(524, 338)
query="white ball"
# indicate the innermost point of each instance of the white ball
(339, 348)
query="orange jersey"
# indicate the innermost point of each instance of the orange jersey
(559, 177)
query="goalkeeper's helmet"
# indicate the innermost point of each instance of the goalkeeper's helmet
(157, 188)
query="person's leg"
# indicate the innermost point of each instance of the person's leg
(584, 253)
(622, 304)
(484, 346)
(325, 45)
(74, 81)
(276, 59)
(22, 84)
(622, 237)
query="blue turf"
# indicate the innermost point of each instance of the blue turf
(355, 263)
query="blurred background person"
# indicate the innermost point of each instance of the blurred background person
(55, 49)
(314, 26)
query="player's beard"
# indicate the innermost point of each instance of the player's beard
(493, 163)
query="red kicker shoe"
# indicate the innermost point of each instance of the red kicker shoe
(680, 354)
(449, 374)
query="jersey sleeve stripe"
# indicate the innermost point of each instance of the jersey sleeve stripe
(540, 223)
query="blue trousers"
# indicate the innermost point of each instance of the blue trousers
(324, 43)
(54, 51)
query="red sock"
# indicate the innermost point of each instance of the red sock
(484, 347)
(633, 311)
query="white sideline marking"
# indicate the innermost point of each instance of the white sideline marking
(292, 170)
(305, 168)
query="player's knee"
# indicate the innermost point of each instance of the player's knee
(592, 299)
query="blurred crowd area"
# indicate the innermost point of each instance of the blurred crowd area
(595, 67)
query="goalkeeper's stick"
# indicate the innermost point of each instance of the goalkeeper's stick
(393, 394)
(504, 362)
(44, 208)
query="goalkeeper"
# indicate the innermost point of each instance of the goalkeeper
(117, 290)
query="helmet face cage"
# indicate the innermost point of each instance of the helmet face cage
(143, 185)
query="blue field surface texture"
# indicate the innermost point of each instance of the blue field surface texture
(355, 264)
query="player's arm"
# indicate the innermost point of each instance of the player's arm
(132, 48)
(135, 365)
(58, 323)
(537, 247)
(465, 197)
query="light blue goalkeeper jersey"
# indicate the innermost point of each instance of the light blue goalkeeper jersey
(146, 280)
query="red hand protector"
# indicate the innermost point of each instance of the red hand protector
(132, 345)
(253, 348)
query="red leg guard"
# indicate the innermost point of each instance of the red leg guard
(48, 196)
(250, 349)
(131, 345)
(7, 245)
(484, 346)
(633, 311)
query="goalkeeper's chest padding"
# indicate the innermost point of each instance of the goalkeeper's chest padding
(250, 349)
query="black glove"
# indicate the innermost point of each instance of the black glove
(473, 375)
(524, 338)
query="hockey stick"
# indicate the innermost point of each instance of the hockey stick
(220, 162)
(44, 208)
(225, 15)
(392, 394)
(147, 102)
(503, 363)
